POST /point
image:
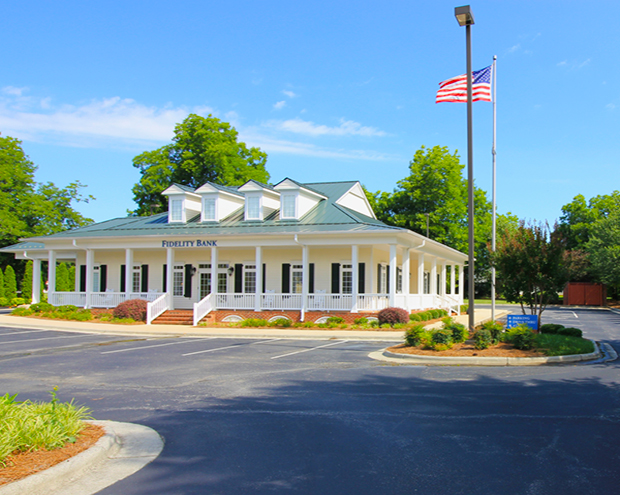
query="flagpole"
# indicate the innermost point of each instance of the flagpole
(494, 228)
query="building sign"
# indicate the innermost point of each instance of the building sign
(530, 320)
(198, 243)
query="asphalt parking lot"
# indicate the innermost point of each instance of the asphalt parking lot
(318, 416)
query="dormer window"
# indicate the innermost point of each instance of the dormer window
(208, 209)
(253, 208)
(289, 206)
(176, 210)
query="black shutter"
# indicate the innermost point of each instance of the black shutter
(387, 278)
(264, 277)
(238, 278)
(188, 281)
(335, 278)
(361, 278)
(164, 285)
(378, 279)
(82, 278)
(103, 278)
(123, 272)
(311, 279)
(145, 279)
(286, 278)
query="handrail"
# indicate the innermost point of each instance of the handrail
(202, 308)
(157, 307)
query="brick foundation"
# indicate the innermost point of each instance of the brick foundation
(294, 316)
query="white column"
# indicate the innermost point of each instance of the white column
(371, 273)
(90, 264)
(442, 288)
(305, 280)
(406, 281)
(170, 274)
(354, 276)
(420, 273)
(259, 279)
(214, 269)
(392, 288)
(452, 279)
(51, 272)
(461, 281)
(36, 281)
(434, 276)
(128, 270)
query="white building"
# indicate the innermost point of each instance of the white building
(299, 250)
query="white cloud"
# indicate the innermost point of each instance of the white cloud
(13, 91)
(279, 105)
(574, 65)
(346, 128)
(290, 94)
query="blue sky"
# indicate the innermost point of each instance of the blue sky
(330, 90)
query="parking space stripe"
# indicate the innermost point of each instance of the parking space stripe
(19, 333)
(48, 338)
(153, 346)
(311, 349)
(227, 347)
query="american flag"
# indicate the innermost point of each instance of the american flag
(455, 89)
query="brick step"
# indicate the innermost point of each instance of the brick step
(175, 317)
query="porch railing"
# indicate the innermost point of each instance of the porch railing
(157, 307)
(64, 298)
(203, 308)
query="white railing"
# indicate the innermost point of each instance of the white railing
(157, 307)
(372, 302)
(330, 302)
(64, 298)
(235, 301)
(450, 303)
(203, 308)
(281, 301)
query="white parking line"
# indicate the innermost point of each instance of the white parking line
(575, 315)
(152, 346)
(228, 347)
(46, 338)
(311, 349)
(18, 333)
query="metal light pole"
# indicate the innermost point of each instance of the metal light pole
(465, 18)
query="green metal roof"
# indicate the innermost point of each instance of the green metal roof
(326, 216)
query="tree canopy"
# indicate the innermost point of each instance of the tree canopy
(203, 149)
(604, 251)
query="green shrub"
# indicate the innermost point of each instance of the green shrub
(281, 322)
(80, 315)
(550, 328)
(42, 307)
(441, 337)
(521, 337)
(482, 339)
(254, 322)
(414, 317)
(570, 332)
(464, 308)
(425, 315)
(414, 335)
(496, 329)
(10, 283)
(308, 324)
(17, 301)
(335, 319)
(393, 315)
(374, 323)
(4, 302)
(22, 312)
(67, 308)
(562, 345)
(361, 321)
(132, 308)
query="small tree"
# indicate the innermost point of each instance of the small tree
(1, 283)
(27, 283)
(531, 266)
(71, 270)
(62, 278)
(10, 283)
(604, 251)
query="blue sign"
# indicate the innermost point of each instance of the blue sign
(530, 320)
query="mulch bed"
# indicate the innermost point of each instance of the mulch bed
(24, 464)
(467, 349)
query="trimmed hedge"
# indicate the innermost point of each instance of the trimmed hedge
(133, 308)
(392, 316)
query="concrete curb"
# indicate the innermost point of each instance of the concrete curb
(124, 449)
(393, 357)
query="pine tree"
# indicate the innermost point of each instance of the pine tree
(1, 283)
(62, 278)
(71, 278)
(10, 283)
(27, 283)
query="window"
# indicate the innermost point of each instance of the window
(427, 283)
(136, 278)
(383, 288)
(222, 278)
(253, 208)
(178, 279)
(249, 279)
(208, 209)
(296, 279)
(176, 210)
(289, 206)
(399, 280)
(205, 284)
(96, 278)
(347, 279)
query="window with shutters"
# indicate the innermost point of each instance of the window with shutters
(222, 278)
(96, 278)
(399, 280)
(178, 279)
(249, 279)
(346, 272)
(136, 278)
(297, 279)
(382, 283)
(427, 283)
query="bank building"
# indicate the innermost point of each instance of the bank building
(299, 251)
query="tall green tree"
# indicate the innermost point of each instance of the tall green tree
(204, 149)
(71, 270)
(10, 283)
(531, 266)
(604, 251)
(62, 278)
(1, 283)
(435, 193)
(26, 284)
